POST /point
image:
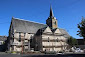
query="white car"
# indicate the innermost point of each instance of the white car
(78, 50)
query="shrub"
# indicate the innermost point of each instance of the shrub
(13, 52)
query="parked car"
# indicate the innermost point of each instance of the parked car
(78, 50)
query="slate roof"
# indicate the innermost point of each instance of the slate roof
(3, 38)
(64, 32)
(26, 26)
(53, 30)
(32, 27)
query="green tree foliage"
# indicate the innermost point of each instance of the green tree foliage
(81, 26)
(72, 41)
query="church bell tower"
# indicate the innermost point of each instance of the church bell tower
(51, 21)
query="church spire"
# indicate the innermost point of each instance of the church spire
(51, 21)
(51, 12)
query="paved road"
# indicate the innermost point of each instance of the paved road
(63, 55)
(9, 55)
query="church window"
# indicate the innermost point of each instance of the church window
(55, 22)
(19, 36)
(48, 39)
(24, 35)
(31, 37)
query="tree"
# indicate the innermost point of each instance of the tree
(72, 41)
(81, 26)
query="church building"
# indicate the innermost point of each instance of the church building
(25, 35)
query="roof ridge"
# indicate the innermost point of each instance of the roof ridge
(29, 21)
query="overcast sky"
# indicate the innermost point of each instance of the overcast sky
(67, 12)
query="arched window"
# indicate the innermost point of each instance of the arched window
(31, 37)
(55, 22)
(48, 39)
(19, 36)
(24, 35)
